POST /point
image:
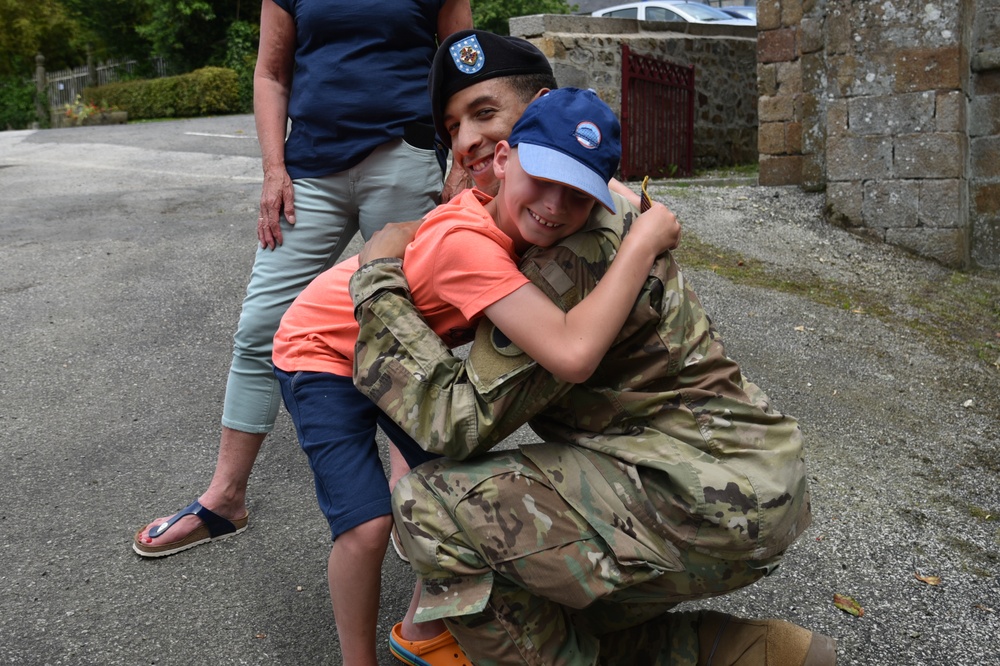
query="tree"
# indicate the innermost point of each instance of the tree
(492, 15)
(192, 33)
(110, 26)
(40, 26)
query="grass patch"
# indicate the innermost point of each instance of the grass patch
(982, 514)
(961, 314)
(738, 269)
(739, 170)
(963, 309)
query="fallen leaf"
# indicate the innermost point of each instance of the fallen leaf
(930, 580)
(848, 605)
(984, 608)
(800, 329)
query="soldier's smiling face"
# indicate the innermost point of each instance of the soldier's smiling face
(477, 118)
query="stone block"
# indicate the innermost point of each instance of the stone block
(942, 203)
(771, 139)
(767, 79)
(793, 138)
(811, 35)
(947, 246)
(985, 157)
(777, 45)
(985, 61)
(928, 155)
(813, 174)
(776, 108)
(844, 72)
(858, 158)
(814, 72)
(537, 25)
(927, 69)
(986, 83)
(984, 115)
(844, 202)
(838, 33)
(813, 138)
(789, 77)
(785, 170)
(892, 114)
(986, 27)
(791, 12)
(986, 242)
(569, 76)
(892, 204)
(836, 118)
(950, 111)
(985, 198)
(768, 14)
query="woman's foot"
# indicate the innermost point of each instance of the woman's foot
(190, 527)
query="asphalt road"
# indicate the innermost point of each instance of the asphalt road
(124, 254)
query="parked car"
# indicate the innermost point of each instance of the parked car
(749, 13)
(671, 10)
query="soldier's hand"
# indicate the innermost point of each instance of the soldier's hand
(659, 227)
(390, 241)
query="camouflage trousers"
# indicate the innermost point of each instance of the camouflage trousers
(520, 577)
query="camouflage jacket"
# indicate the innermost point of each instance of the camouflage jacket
(685, 447)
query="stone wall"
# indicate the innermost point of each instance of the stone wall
(984, 134)
(884, 106)
(585, 52)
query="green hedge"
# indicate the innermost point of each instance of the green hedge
(203, 92)
(17, 103)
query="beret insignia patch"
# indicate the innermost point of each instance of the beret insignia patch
(468, 55)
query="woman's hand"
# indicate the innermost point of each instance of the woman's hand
(277, 198)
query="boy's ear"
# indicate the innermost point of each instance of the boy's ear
(500, 156)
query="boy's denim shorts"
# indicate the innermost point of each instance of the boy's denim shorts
(336, 427)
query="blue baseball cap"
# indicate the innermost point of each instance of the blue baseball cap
(570, 136)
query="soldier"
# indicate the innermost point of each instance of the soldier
(665, 477)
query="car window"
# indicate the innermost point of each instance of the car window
(629, 12)
(706, 13)
(661, 14)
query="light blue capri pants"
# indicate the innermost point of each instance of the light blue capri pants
(396, 183)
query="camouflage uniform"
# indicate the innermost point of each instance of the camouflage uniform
(666, 476)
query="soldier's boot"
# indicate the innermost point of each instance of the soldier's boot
(727, 640)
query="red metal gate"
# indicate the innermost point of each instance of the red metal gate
(657, 117)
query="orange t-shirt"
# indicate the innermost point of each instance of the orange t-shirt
(458, 264)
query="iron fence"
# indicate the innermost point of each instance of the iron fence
(63, 86)
(657, 115)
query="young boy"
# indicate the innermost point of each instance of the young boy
(461, 265)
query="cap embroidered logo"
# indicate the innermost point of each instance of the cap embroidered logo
(588, 135)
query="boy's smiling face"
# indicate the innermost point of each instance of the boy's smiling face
(477, 118)
(532, 211)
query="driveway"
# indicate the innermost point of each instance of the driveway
(124, 254)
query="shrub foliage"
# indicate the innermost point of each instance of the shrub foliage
(203, 92)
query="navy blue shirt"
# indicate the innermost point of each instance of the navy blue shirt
(360, 76)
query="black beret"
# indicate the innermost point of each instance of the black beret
(470, 56)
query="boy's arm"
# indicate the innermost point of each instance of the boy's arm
(452, 406)
(438, 399)
(572, 344)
